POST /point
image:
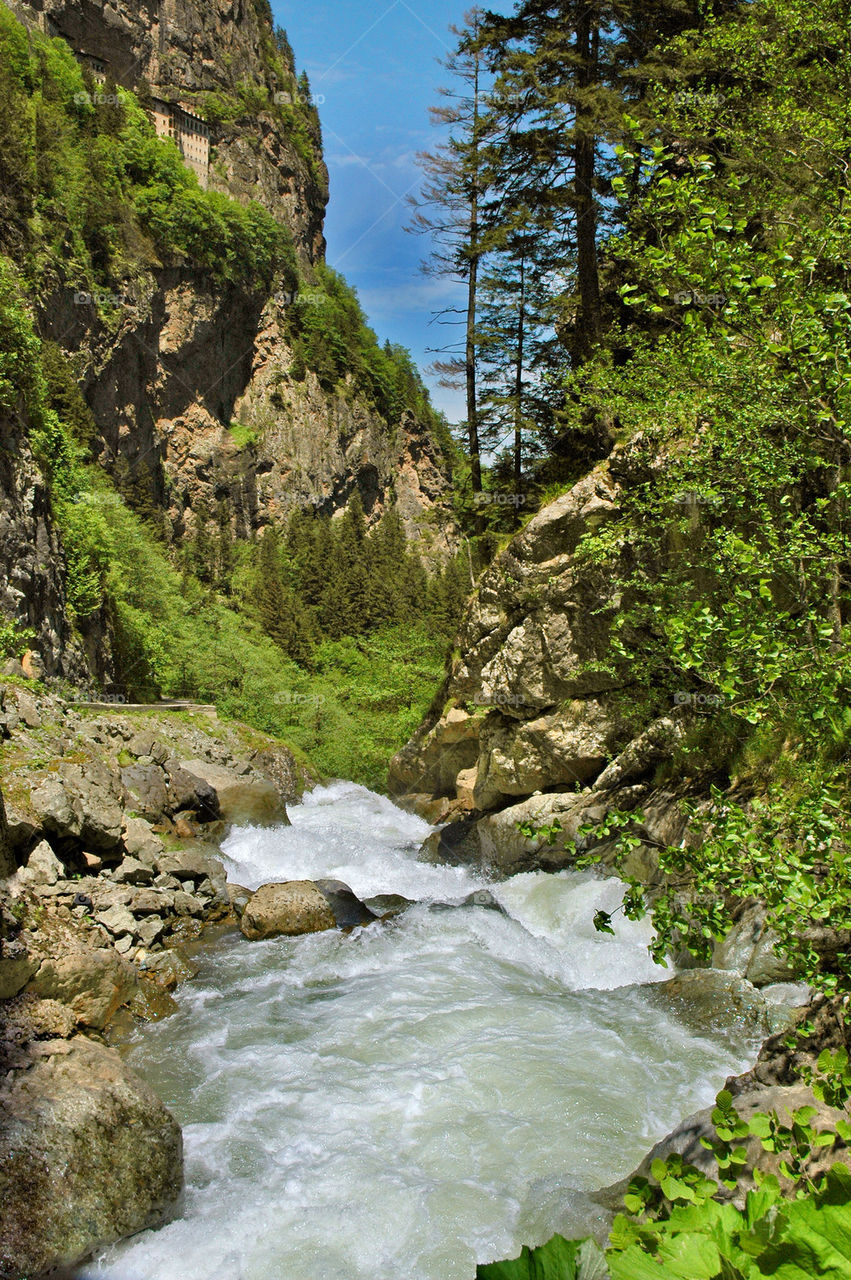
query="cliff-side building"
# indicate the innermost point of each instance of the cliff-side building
(190, 132)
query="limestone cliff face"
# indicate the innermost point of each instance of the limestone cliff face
(32, 579)
(182, 359)
(529, 726)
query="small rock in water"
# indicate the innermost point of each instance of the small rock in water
(349, 911)
(389, 904)
(484, 898)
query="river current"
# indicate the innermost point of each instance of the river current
(419, 1096)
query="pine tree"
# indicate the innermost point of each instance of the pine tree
(279, 610)
(225, 551)
(516, 342)
(449, 210)
(566, 75)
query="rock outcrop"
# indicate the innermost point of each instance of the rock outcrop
(7, 858)
(97, 904)
(88, 1154)
(32, 571)
(527, 704)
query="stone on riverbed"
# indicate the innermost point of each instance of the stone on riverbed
(349, 911)
(291, 909)
(88, 1154)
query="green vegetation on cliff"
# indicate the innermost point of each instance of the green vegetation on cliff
(362, 680)
(703, 308)
(92, 197)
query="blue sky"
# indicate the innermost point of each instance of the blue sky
(374, 72)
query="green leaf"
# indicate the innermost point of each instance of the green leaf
(559, 1259)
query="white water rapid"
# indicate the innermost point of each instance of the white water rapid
(403, 1102)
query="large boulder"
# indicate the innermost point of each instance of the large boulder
(433, 759)
(349, 911)
(197, 866)
(43, 867)
(94, 984)
(88, 1155)
(82, 807)
(242, 799)
(188, 793)
(17, 964)
(567, 748)
(291, 909)
(688, 1138)
(147, 789)
(644, 753)
(141, 841)
(749, 950)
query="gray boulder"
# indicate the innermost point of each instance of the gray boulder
(88, 1155)
(349, 911)
(200, 868)
(83, 806)
(389, 904)
(188, 793)
(141, 842)
(749, 950)
(244, 798)
(147, 790)
(132, 871)
(43, 867)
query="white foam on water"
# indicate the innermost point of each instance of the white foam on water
(417, 1096)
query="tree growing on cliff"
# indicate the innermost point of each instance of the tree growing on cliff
(449, 209)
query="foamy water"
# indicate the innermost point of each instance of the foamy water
(403, 1102)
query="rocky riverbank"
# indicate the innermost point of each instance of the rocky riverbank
(109, 823)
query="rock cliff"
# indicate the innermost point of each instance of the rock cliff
(204, 56)
(536, 725)
(198, 401)
(32, 581)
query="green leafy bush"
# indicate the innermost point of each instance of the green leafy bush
(678, 1225)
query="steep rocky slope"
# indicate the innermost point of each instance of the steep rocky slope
(530, 702)
(197, 399)
(186, 52)
(538, 732)
(105, 880)
(32, 581)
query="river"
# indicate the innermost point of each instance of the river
(402, 1102)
